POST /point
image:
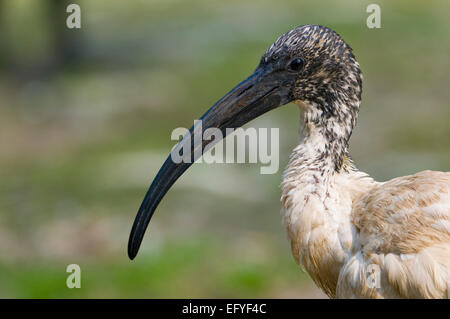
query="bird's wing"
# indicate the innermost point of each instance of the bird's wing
(404, 229)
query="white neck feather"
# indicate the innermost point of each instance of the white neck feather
(317, 201)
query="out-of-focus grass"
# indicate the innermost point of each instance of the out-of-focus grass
(177, 270)
(80, 146)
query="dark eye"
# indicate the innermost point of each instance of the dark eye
(296, 64)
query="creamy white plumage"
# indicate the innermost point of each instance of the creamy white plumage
(359, 238)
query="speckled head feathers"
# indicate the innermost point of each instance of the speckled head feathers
(331, 73)
(329, 83)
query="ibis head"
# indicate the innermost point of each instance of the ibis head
(310, 65)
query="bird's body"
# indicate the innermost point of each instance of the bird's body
(356, 237)
(316, 209)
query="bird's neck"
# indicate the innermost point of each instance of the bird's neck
(321, 154)
(326, 136)
(323, 151)
(316, 202)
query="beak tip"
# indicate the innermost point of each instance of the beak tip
(132, 248)
(132, 253)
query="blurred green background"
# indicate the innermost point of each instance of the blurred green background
(85, 123)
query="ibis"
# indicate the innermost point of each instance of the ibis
(356, 237)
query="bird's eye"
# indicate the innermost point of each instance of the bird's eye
(296, 64)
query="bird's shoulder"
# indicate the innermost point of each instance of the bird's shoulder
(404, 215)
(403, 227)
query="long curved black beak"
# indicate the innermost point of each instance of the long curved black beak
(264, 90)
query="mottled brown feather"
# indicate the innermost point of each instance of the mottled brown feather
(404, 228)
